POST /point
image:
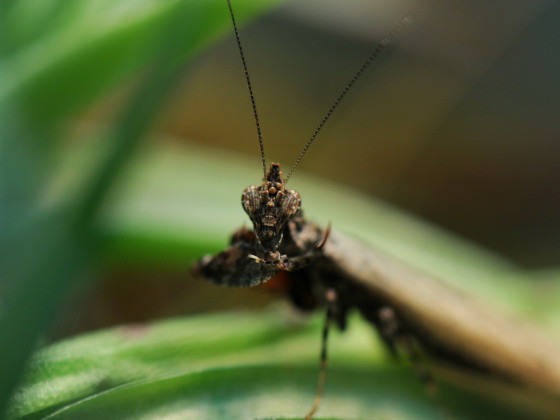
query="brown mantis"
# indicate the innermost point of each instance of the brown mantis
(406, 306)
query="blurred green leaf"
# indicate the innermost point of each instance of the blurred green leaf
(61, 56)
(47, 74)
(230, 366)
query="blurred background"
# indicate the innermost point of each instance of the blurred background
(127, 137)
(456, 123)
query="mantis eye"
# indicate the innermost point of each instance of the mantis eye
(251, 200)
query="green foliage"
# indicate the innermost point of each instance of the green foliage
(56, 58)
(230, 366)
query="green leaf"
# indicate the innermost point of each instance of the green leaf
(62, 56)
(47, 72)
(229, 366)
